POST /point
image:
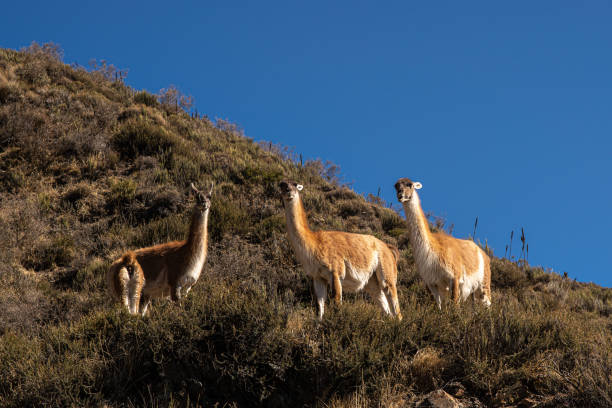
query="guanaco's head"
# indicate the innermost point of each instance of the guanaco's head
(405, 189)
(202, 198)
(289, 190)
(129, 282)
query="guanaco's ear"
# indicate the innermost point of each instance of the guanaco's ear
(194, 189)
(417, 185)
(211, 188)
(299, 187)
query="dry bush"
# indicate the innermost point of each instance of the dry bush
(24, 305)
(163, 203)
(348, 208)
(34, 73)
(9, 93)
(21, 227)
(506, 274)
(341, 193)
(426, 368)
(49, 254)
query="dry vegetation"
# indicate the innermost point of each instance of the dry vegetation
(89, 167)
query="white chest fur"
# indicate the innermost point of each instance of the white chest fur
(195, 265)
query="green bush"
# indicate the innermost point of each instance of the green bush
(141, 138)
(77, 193)
(12, 181)
(261, 175)
(507, 274)
(58, 252)
(391, 220)
(172, 228)
(268, 226)
(121, 195)
(146, 99)
(349, 208)
(185, 171)
(91, 277)
(227, 218)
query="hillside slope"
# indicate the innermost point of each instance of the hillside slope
(90, 167)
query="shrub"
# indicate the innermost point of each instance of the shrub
(12, 181)
(77, 193)
(9, 93)
(172, 228)
(507, 274)
(261, 175)
(23, 304)
(184, 170)
(227, 218)
(141, 138)
(171, 99)
(348, 208)
(59, 252)
(268, 226)
(155, 203)
(48, 51)
(121, 195)
(341, 193)
(146, 99)
(91, 277)
(96, 163)
(390, 220)
(34, 73)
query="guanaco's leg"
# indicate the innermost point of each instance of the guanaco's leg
(486, 299)
(175, 293)
(145, 300)
(436, 295)
(481, 294)
(377, 295)
(456, 290)
(338, 271)
(337, 288)
(391, 293)
(389, 274)
(320, 289)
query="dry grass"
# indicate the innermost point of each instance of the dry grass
(89, 168)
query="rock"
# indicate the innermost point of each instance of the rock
(456, 389)
(440, 399)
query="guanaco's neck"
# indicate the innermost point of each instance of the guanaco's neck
(297, 224)
(418, 229)
(198, 232)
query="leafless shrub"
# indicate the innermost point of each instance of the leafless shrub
(172, 99)
(283, 152)
(328, 170)
(48, 50)
(230, 128)
(24, 305)
(106, 71)
(20, 225)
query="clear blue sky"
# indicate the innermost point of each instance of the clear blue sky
(502, 111)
